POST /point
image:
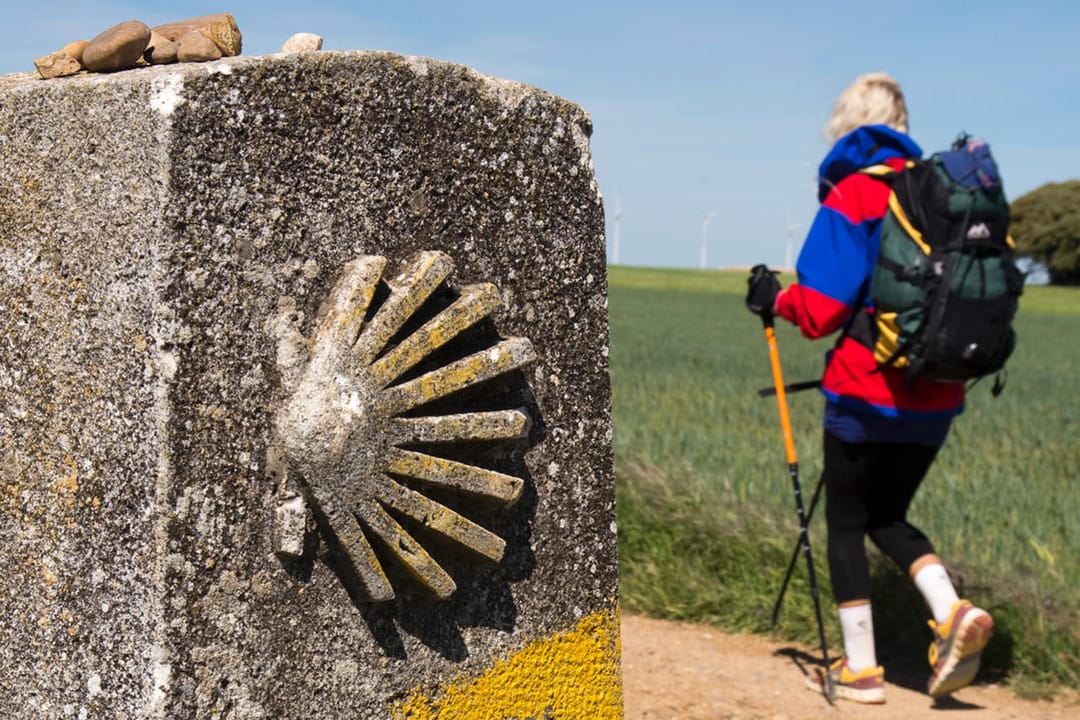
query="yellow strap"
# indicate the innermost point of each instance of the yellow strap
(881, 169)
(878, 170)
(888, 340)
(898, 213)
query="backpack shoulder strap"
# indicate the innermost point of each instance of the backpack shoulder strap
(889, 174)
(879, 171)
(885, 171)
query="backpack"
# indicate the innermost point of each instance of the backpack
(945, 287)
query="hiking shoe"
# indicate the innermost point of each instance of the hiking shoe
(957, 647)
(865, 686)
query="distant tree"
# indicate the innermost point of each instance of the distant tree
(1046, 227)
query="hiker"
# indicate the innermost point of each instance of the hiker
(881, 432)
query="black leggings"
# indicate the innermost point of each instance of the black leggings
(868, 488)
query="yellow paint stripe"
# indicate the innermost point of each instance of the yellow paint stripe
(460, 476)
(409, 552)
(510, 354)
(350, 538)
(440, 519)
(489, 425)
(573, 674)
(408, 291)
(476, 302)
(349, 300)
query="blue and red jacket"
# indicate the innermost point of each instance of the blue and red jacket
(834, 270)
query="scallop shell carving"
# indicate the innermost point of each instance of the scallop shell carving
(354, 429)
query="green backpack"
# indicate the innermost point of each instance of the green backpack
(945, 286)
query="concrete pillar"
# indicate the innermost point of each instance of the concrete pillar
(304, 405)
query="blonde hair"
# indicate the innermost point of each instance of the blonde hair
(873, 99)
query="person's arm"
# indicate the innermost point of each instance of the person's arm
(836, 260)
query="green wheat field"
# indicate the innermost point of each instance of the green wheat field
(706, 509)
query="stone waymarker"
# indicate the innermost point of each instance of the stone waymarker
(304, 407)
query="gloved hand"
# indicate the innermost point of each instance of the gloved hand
(764, 287)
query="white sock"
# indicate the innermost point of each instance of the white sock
(934, 584)
(857, 624)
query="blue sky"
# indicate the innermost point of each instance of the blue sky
(697, 107)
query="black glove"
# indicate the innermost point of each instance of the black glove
(764, 287)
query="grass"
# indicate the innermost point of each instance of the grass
(706, 509)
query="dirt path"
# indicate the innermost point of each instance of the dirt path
(685, 672)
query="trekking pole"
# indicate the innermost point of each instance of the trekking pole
(766, 392)
(795, 555)
(793, 471)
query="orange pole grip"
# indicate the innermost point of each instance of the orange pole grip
(781, 395)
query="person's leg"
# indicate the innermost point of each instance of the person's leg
(961, 630)
(857, 627)
(903, 469)
(846, 478)
(930, 577)
(898, 475)
(846, 472)
(856, 676)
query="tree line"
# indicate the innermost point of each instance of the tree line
(1045, 223)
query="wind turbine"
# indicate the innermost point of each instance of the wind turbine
(791, 227)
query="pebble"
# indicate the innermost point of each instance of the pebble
(220, 28)
(75, 49)
(161, 50)
(195, 47)
(56, 65)
(302, 42)
(133, 43)
(118, 48)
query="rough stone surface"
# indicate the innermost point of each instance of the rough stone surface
(154, 229)
(118, 48)
(302, 42)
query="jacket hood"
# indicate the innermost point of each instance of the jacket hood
(862, 147)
